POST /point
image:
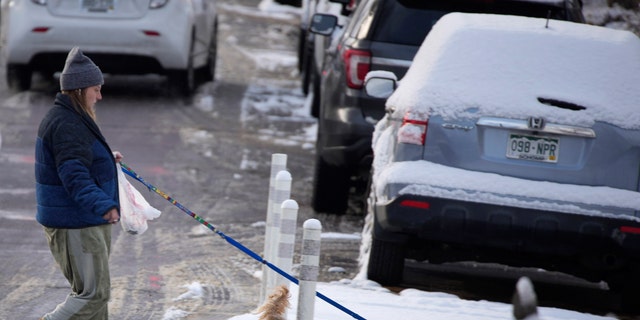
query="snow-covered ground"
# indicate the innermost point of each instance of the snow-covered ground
(363, 297)
(369, 300)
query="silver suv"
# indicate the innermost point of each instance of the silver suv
(381, 35)
(511, 140)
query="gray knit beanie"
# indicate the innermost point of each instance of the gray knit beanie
(79, 72)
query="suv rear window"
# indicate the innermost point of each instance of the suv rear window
(408, 21)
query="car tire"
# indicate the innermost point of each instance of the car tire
(19, 77)
(386, 262)
(294, 3)
(330, 188)
(315, 86)
(183, 82)
(305, 71)
(208, 72)
(626, 284)
(302, 45)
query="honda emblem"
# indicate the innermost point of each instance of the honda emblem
(536, 123)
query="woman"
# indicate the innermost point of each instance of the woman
(77, 190)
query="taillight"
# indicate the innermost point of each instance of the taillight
(627, 229)
(351, 5)
(357, 63)
(415, 204)
(414, 128)
(151, 33)
(40, 29)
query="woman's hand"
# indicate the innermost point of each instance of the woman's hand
(113, 216)
(117, 155)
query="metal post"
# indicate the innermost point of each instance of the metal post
(278, 163)
(282, 192)
(286, 244)
(309, 269)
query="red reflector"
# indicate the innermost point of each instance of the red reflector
(415, 204)
(627, 229)
(151, 33)
(40, 29)
(414, 128)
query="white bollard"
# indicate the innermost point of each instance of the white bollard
(309, 269)
(282, 192)
(278, 163)
(286, 244)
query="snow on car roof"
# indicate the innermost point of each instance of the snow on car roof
(473, 65)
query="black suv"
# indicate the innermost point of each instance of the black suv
(381, 35)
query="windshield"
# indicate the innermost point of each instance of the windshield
(408, 21)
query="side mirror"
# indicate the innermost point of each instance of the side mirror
(323, 24)
(380, 84)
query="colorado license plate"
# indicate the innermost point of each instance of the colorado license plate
(97, 5)
(535, 148)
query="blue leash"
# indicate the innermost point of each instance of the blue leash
(126, 169)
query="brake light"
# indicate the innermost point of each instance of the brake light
(357, 64)
(40, 29)
(415, 204)
(627, 229)
(351, 5)
(414, 128)
(151, 33)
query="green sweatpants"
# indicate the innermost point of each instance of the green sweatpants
(83, 257)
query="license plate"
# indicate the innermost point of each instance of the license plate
(535, 148)
(97, 5)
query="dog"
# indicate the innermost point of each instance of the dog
(275, 308)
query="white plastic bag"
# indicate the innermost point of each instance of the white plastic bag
(134, 209)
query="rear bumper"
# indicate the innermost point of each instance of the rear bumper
(113, 38)
(509, 235)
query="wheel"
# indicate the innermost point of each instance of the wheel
(19, 77)
(208, 72)
(386, 262)
(626, 283)
(330, 188)
(302, 44)
(295, 3)
(315, 83)
(305, 71)
(183, 82)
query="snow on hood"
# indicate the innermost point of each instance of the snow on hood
(473, 65)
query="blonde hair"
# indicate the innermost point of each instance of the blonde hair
(78, 99)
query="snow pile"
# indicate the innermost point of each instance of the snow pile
(371, 301)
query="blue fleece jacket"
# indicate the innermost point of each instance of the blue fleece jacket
(76, 181)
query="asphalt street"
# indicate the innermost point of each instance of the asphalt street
(204, 152)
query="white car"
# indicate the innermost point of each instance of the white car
(176, 38)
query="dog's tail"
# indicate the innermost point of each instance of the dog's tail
(276, 306)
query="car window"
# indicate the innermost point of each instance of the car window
(405, 25)
(356, 27)
(363, 31)
(408, 21)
